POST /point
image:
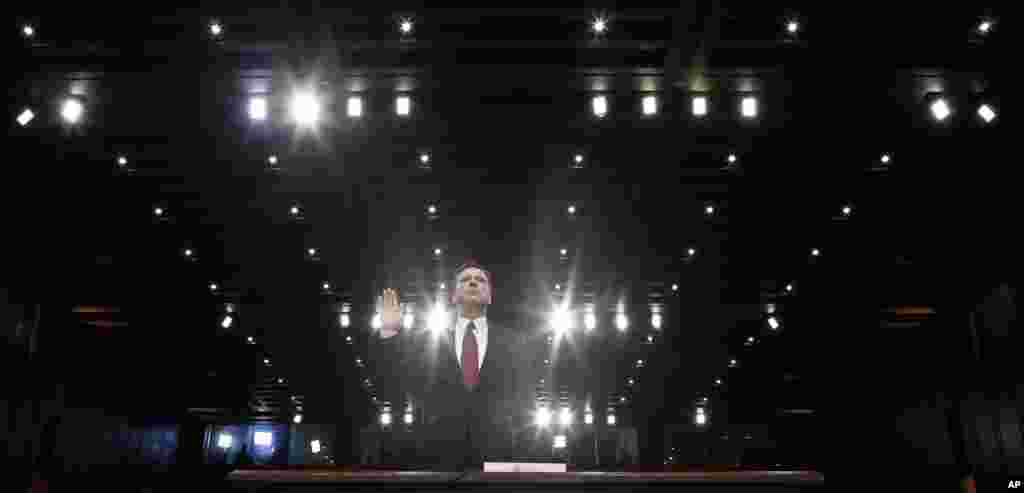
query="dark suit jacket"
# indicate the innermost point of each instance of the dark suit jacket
(462, 426)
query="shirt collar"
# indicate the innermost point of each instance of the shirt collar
(479, 323)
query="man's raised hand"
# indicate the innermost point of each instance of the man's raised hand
(390, 313)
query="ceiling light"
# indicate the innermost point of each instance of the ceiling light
(700, 105)
(355, 107)
(28, 31)
(986, 113)
(885, 159)
(403, 105)
(985, 26)
(709, 209)
(599, 105)
(216, 29)
(650, 105)
(424, 158)
(572, 209)
(599, 25)
(792, 27)
(121, 160)
(749, 107)
(732, 158)
(940, 109)
(847, 210)
(25, 117)
(305, 108)
(72, 110)
(258, 108)
(272, 159)
(405, 26)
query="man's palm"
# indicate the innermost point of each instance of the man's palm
(390, 313)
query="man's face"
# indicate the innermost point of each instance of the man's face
(473, 286)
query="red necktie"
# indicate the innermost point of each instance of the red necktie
(470, 365)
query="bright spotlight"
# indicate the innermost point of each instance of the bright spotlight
(559, 441)
(773, 322)
(709, 209)
(28, 31)
(542, 417)
(611, 420)
(25, 117)
(250, 340)
(701, 418)
(940, 109)
(355, 107)
(407, 321)
(405, 26)
(621, 322)
(403, 105)
(345, 320)
(565, 418)
(266, 361)
(258, 108)
(986, 113)
(216, 29)
(656, 320)
(294, 210)
(691, 252)
(650, 105)
(432, 209)
(847, 210)
(590, 321)
(985, 27)
(792, 27)
(305, 108)
(588, 419)
(424, 158)
(226, 322)
(121, 160)
(749, 107)
(700, 105)
(675, 287)
(263, 438)
(815, 252)
(159, 211)
(377, 321)
(437, 252)
(408, 418)
(314, 446)
(599, 25)
(385, 418)
(885, 159)
(572, 209)
(326, 286)
(297, 419)
(599, 105)
(272, 160)
(438, 319)
(72, 110)
(311, 252)
(224, 440)
(563, 251)
(789, 288)
(561, 320)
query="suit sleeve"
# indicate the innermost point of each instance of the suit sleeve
(398, 366)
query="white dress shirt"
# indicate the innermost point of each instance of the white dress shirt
(481, 338)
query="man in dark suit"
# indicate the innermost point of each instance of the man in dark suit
(474, 378)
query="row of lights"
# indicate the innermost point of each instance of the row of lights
(306, 109)
(598, 25)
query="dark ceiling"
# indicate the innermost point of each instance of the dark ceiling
(500, 103)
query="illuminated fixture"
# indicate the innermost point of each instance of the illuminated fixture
(438, 320)
(599, 25)
(297, 419)
(731, 158)
(590, 321)
(650, 105)
(599, 105)
(314, 446)
(224, 440)
(437, 252)
(305, 108)
(311, 252)
(985, 26)
(675, 287)
(847, 210)
(611, 420)
(690, 252)
(122, 161)
(773, 322)
(700, 105)
(732, 363)
(588, 419)
(403, 105)
(377, 321)
(188, 252)
(748, 107)
(258, 108)
(572, 209)
(355, 107)
(280, 380)
(563, 251)
(345, 320)
(792, 27)
(226, 322)
(432, 209)
(272, 160)
(718, 381)
(815, 252)
(789, 288)
(940, 109)
(709, 209)
(408, 320)
(578, 159)
(405, 26)
(71, 111)
(639, 364)
(250, 340)
(565, 418)
(266, 361)
(408, 418)
(158, 211)
(424, 158)
(326, 286)
(294, 210)
(216, 29)
(885, 159)
(385, 418)
(542, 417)
(561, 320)
(769, 308)
(656, 321)
(621, 322)
(26, 116)
(700, 418)
(213, 286)
(559, 441)
(28, 31)
(751, 340)
(986, 113)
(263, 438)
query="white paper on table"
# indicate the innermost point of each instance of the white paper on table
(523, 467)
